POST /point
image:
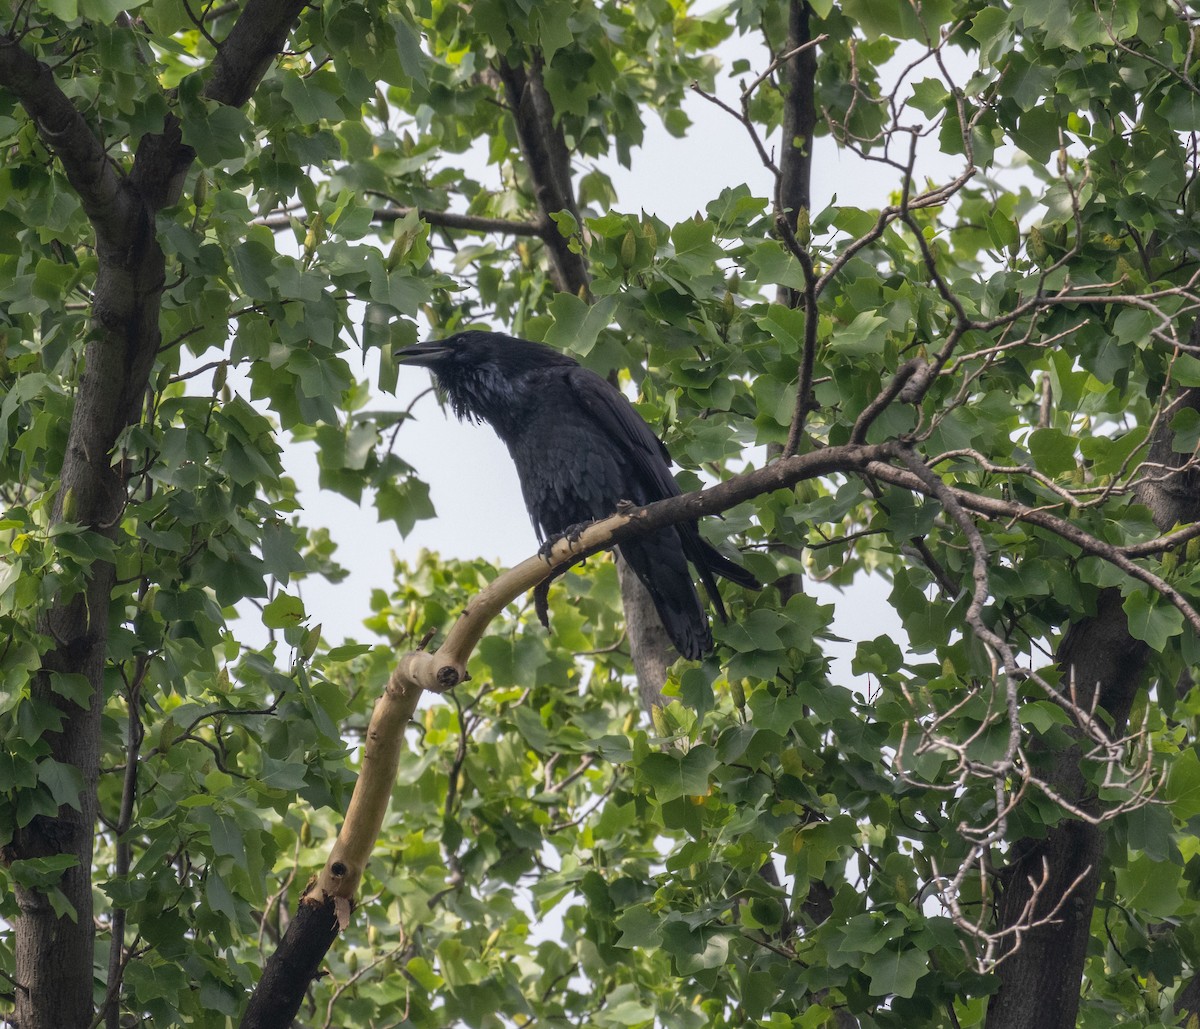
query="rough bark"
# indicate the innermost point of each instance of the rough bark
(294, 965)
(549, 164)
(1172, 489)
(1041, 972)
(54, 955)
(1040, 975)
(793, 189)
(793, 194)
(1187, 1002)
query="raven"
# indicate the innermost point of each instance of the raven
(581, 450)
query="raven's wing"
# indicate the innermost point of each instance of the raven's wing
(621, 424)
(651, 461)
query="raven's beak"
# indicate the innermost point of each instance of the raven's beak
(426, 355)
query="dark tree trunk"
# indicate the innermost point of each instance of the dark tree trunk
(793, 192)
(1042, 967)
(1042, 971)
(549, 164)
(794, 189)
(54, 955)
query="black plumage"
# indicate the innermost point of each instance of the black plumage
(580, 450)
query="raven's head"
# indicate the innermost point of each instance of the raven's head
(481, 373)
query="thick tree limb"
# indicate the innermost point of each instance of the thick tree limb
(256, 39)
(470, 222)
(793, 200)
(92, 174)
(549, 164)
(995, 508)
(793, 194)
(440, 219)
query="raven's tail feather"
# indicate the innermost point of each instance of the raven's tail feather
(710, 563)
(659, 563)
(727, 569)
(662, 566)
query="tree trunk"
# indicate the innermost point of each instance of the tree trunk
(1043, 967)
(793, 192)
(54, 953)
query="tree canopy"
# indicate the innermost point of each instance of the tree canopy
(979, 388)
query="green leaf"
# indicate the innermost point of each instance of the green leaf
(1182, 790)
(992, 30)
(1037, 133)
(283, 612)
(64, 781)
(1151, 830)
(576, 324)
(1155, 621)
(785, 324)
(672, 775)
(1186, 426)
(405, 502)
(895, 970)
(310, 102)
(105, 12)
(1053, 451)
(1153, 888)
(1109, 456)
(639, 928)
(864, 336)
(67, 10)
(1043, 715)
(695, 949)
(930, 96)
(898, 20)
(214, 130)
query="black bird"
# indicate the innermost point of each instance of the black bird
(580, 450)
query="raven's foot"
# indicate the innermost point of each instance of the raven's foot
(571, 534)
